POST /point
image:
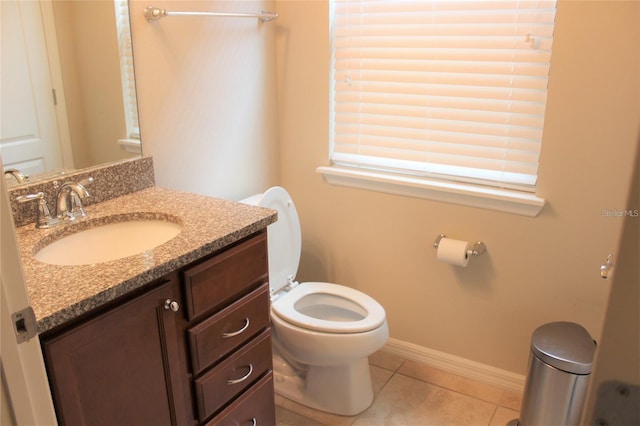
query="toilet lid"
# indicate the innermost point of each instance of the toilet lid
(283, 238)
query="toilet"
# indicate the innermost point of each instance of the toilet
(323, 333)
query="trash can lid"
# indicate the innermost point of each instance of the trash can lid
(564, 345)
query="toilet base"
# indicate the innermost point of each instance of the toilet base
(344, 389)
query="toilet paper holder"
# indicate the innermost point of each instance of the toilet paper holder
(478, 248)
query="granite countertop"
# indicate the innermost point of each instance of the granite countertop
(61, 293)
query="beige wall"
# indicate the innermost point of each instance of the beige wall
(619, 350)
(207, 93)
(208, 114)
(536, 270)
(207, 97)
(63, 14)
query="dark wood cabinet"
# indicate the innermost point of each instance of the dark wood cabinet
(228, 329)
(121, 367)
(192, 348)
(251, 408)
(229, 335)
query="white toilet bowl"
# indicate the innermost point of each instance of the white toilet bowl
(323, 333)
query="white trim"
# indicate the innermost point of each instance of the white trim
(457, 90)
(131, 145)
(23, 369)
(503, 200)
(55, 70)
(457, 365)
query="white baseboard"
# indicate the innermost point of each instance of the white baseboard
(456, 365)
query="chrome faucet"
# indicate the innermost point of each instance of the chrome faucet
(70, 196)
(17, 175)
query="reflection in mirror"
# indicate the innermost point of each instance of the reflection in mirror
(68, 98)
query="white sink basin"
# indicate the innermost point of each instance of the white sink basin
(108, 242)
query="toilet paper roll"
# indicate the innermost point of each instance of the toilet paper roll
(453, 252)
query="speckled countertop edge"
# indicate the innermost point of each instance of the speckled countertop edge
(61, 293)
(110, 181)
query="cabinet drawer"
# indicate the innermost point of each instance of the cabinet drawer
(213, 338)
(254, 407)
(216, 281)
(235, 374)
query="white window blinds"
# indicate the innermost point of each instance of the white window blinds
(447, 89)
(126, 68)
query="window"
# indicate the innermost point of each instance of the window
(448, 94)
(126, 69)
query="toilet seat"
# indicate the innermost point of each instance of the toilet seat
(349, 301)
(352, 311)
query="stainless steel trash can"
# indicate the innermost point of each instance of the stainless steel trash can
(559, 369)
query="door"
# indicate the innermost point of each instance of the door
(25, 389)
(29, 138)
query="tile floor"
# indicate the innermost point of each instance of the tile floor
(408, 393)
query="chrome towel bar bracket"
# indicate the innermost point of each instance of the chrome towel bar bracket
(153, 14)
(605, 269)
(477, 249)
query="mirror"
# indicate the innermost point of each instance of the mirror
(64, 104)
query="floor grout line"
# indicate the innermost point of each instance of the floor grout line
(490, 401)
(495, 410)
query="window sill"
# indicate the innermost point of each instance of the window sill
(502, 200)
(131, 145)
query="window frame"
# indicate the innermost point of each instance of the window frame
(438, 188)
(131, 143)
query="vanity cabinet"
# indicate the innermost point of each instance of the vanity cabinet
(192, 348)
(229, 336)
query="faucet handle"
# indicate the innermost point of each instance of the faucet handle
(44, 219)
(87, 181)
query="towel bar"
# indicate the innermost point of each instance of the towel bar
(155, 13)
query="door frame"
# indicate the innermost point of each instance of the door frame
(55, 70)
(24, 378)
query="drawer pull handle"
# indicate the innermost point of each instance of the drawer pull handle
(241, 379)
(235, 333)
(254, 422)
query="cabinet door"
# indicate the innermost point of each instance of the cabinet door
(115, 368)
